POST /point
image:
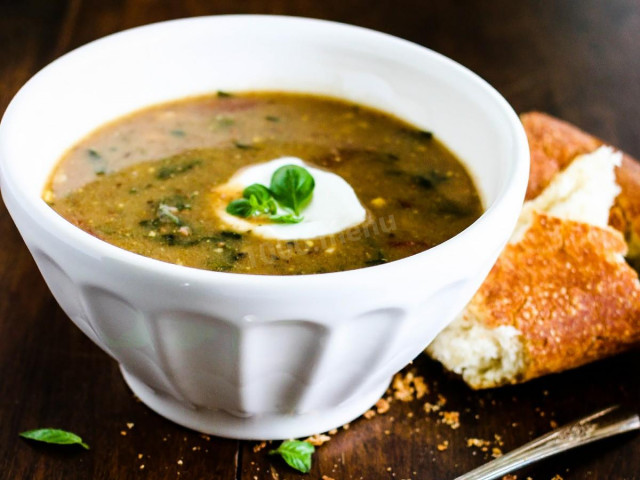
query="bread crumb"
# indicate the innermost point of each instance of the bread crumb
(451, 418)
(408, 387)
(553, 424)
(123, 433)
(557, 477)
(130, 425)
(346, 426)
(333, 431)
(477, 442)
(140, 456)
(369, 414)
(382, 406)
(510, 477)
(142, 467)
(496, 452)
(443, 446)
(259, 446)
(402, 389)
(430, 407)
(318, 439)
(274, 473)
(204, 436)
(180, 462)
(442, 401)
(421, 388)
(327, 477)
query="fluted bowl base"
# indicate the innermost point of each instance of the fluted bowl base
(271, 426)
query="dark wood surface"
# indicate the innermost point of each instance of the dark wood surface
(577, 59)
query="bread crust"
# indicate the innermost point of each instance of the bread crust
(554, 144)
(566, 287)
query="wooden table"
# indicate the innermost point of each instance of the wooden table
(577, 59)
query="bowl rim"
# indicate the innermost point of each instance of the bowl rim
(514, 186)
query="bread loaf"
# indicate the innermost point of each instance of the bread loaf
(561, 294)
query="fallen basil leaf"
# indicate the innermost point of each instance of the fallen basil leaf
(296, 453)
(55, 436)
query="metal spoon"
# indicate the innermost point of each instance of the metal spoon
(605, 423)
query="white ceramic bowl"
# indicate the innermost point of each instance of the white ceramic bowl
(249, 356)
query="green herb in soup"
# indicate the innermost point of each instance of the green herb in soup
(291, 190)
(166, 182)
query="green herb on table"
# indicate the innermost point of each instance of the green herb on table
(272, 118)
(291, 190)
(223, 94)
(296, 453)
(178, 133)
(55, 436)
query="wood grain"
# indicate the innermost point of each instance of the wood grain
(576, 59)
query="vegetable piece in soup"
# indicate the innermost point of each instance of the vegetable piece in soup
(265, 183)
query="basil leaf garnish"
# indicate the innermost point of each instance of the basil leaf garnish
(292, 186)
(240, 208)
(296, 453)
(291, 190)
(285, 218)
(55, 436)
(261, 193)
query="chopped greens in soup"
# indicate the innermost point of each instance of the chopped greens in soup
(265, 183)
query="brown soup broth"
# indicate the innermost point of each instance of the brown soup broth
(416, 192)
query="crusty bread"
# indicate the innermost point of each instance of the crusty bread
(554, 144)
(561, 294)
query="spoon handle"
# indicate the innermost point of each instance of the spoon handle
(605, 423)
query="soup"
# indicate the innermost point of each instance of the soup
(342, 186)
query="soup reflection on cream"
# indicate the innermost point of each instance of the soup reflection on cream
(264, 183)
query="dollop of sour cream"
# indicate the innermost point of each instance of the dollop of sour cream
(334, 206)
